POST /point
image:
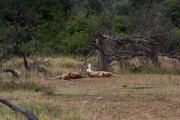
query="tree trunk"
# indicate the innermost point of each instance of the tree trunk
(154, 59)
(154, 55)
(25, 60)
(101, 56)
(31, 30)
(102, 60)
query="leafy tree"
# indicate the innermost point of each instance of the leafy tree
(173, 11)
(79, 32)
(139, 4)
(67, 5)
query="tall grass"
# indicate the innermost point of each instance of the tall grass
(145, 66)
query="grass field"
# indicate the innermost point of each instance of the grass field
(124, 97)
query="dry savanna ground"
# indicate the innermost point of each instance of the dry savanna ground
(124, 97)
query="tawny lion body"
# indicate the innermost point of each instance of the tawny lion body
(75, 75)
(94, 74)
(107, 74)
(67, 76)
(98, 73)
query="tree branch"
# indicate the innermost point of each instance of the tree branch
(15, 74)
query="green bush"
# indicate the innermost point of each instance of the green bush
(80, 43)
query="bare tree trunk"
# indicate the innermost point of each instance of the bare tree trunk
(102, 60)
(154, 59)
(31, 30)
(25, 60)
(101, 56)
(154, 55)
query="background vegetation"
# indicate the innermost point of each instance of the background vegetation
(66, 27)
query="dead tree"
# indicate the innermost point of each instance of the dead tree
(28, 114)
(156, 38)
(128, 48)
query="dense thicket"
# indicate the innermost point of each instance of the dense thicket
(66, 27)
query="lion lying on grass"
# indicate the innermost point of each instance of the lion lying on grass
(68, 76)
(98, 73)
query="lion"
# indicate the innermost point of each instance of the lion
(92, 73)
(68, 76)
(106, 74)
(75, 75)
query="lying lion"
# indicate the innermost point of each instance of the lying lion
(68, 76)
(98, 73)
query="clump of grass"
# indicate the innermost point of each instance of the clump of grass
(66, 62)
(46, 87)
(28, 80)
(64, 65)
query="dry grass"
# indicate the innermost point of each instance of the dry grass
(125, 97)
(144, 97)
(144, 66)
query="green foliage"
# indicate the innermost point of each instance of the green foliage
(67, 26)
(77, 38)
(36, 88)
(79, 43)
(174, 11)
(37, 48)
(138, 4)
(91, 24)
(93, 6)
(123, 10)
(67, 5)
(53, 12)
(120, 24)
(47, 31)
